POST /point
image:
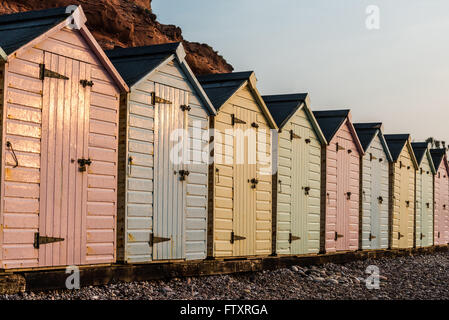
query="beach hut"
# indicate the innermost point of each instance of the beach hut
(441, 219)
(297, 180)
(402, 191)
(163, 163)
(340, 184)
(59, 101)
(374, 197)
(240, 195)
(424, 195)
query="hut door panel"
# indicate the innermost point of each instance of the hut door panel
(244, 222)
(404, 207)
(376, 175)
(63, 188)
(300, 169)
(342, 189)
(425, 211)
(168, 234)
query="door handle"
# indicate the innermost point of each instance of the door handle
(183, 174)
(348, 195)
(83, 163)
(381, 200)
(307, 190)
(254, 183)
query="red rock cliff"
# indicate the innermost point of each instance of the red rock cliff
(125, 23)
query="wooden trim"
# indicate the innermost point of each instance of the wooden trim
(3, 90)
(361, 163)
(274, 190)
(391, 203)
(323, 199)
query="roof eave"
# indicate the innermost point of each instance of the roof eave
(252, 85)
(315, 124)
(3, 55)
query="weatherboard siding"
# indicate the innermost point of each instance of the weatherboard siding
(297, 213)
(141, 191)
(94, 224)
(375, 175)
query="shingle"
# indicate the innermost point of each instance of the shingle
(18, 29)
(330, 121)
(220, 87)
(282, 107)
(135, 63)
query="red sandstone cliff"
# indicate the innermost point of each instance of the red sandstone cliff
(127, 23)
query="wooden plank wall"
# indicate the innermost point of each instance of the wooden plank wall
(424, 204)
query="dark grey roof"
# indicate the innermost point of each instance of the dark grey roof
(18, 29)
(437, 157)
(135, 63)
(367, 132)
(220, 87)
(396, 143)
(282, 107)
(419, 148)
(330, 121)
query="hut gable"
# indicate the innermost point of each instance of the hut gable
(368, 132)
(439, 158)
(332, 121)
(397, 143)
(422, 153)
(137, 65)
(221, 88)
(284, 107)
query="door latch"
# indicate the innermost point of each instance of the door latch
(423, 236)
(186, 108)
(338, 236)
(407, 203)
(236, 238)
(348, 195)
(83, 163)
(183, 174)
(86, 83)
(293, 135)
(381, 200)
(236, 120)
(254, 183)
(307, 191)
(400, 236)
(371, 237)
(255, 125)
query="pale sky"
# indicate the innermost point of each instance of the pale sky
(397, 74)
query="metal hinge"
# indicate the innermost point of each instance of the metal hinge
(45, 73)
(236, 238)
(340, 147)
(155, 99)
(293, 135)
(155, 240)
(38, 240)
(87, 83)
(423, 236)
(371, 237)
(372, 157)
(292, 238)
(338, 236)
(236, 120)
(400, 236)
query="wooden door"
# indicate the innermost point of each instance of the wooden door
(404, 207)
(170, 174)
(243, 237)
(63, 190)
(342, 190)
(376, 192)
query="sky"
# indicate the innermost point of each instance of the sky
(395, 72)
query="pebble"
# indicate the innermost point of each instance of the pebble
(405, 278)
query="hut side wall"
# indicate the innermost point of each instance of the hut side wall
(342, 176)
(140, 196)
(375, 173)
(424, 204)
(96, 223)
(298, 213)
(255, 220)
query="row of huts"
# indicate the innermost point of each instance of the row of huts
(90, 170)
